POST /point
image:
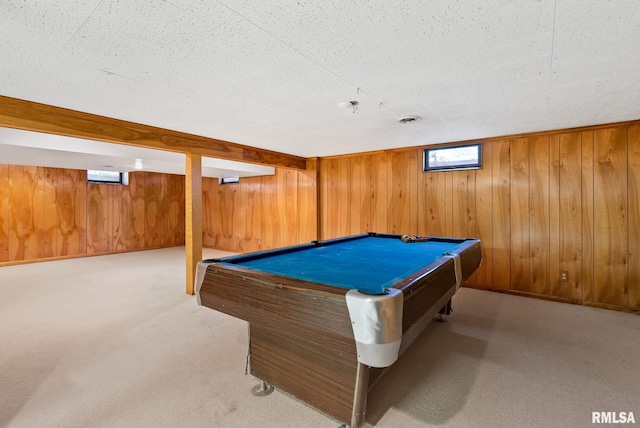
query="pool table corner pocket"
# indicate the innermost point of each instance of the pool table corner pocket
(376, 320)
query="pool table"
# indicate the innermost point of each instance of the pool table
(326, 318)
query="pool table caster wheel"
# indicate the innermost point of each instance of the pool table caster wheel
(262, 389)
(439, 318)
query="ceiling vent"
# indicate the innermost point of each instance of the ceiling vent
(409, 119)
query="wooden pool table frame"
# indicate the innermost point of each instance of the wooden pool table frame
(300, 335)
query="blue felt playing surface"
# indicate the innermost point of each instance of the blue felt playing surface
(369, 264)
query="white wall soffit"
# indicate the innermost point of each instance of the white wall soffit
(19, 147)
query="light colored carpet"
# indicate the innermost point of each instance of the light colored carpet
(113, 341)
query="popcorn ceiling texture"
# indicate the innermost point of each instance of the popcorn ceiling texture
(271, 74)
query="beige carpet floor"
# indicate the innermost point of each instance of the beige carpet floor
(113, 341)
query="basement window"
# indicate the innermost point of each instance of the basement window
(451, 158)
(229, 180)
(106, 177)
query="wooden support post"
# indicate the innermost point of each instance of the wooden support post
(314, 166)
(308, 203)
(193, 226)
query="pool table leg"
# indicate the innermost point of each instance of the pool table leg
(446, 310)
(262, 389)
(360, 396)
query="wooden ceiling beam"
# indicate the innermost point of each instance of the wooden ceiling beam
(32, 116)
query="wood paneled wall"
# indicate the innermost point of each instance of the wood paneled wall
(51, 212)
(261, 213)
(542, 205)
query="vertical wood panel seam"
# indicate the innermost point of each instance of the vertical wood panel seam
(593, 217)
(581, 221)
(626, 218)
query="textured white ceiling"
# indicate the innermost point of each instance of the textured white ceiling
(270, 74)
